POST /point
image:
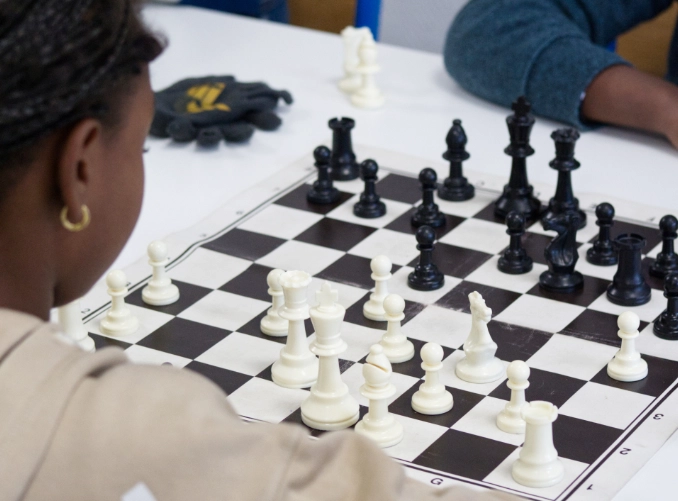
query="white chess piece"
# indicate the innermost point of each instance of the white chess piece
(272, 324)
(627, 365)
(396, 345)
(381, 273)
(329, 405)
(538, 464)
(510, 419)
(297, 367)
(479, 364)
(72, 326)
(160, 290)
(119, 320)
(379, 424)
(368, 95)
(432, 398)
(351, 37)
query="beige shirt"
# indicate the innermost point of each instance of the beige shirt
(77, 426)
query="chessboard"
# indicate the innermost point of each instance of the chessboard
(606, 430)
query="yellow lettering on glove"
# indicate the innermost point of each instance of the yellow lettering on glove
(204, 98)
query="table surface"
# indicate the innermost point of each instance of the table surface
(185, 184)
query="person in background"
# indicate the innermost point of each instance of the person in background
(555, 53)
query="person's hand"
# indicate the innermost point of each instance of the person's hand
(213, 108)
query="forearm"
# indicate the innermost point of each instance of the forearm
(622, 95)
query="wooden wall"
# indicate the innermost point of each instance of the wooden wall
(326, 15)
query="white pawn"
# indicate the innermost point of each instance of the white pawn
(381, 273)
(368, 95)
(379, 424)
(351, 37)
(396, 345)
(71, 324)
(297, 367)
(160, 290)
(510, 419)
(627, 365)
(273, 324)
(329, 405)
(432, 398)
(479, 364)
(538, 464)
(119, 320)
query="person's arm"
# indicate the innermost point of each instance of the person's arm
(625, 96)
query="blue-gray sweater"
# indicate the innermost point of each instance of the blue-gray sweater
(547, 50)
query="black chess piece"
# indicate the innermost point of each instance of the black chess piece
(456, 187)
(667, 260)
(515, 260)
(562, 255)
(322, 192)
(518, 193)
(628, 287)
(666, 326)
(343, 162)
(426, 276)
(369, 206)
(564, 199)
(427, 212)
(603, 253)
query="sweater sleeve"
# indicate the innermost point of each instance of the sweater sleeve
(547, 50)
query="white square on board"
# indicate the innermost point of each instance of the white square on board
(348, 295)
(401, 248)
(540, 313)
(149, 321)
(591, 270)
(449, 378)
(650, 344)
(479, 235)
(571, 356)
(208, 268)
(439, 325)
(359, 340)
(344, 212)
(293, 255)
(143, 355)
(468, 208)
(282, 222)
(481, 420)
(224, 310)
(266, 401)
(418, 436)
(606, 405)
(398, 285)
(242, 353)
(489, 274)
(646, 312)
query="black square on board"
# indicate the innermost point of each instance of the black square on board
(661, 373)
(497, 299)
(354, 314)
(596, 326)
(515, 342)
(466, 455)
(351, 270)
(335, 234)
(487, 214)
(253, 328)
(593, 288)
(244, 244)
(544, 385)
(250, 283)
(456, 261)
(535, 244)
(651, 234)
(401, 188)
(464, 401)
(184, 338)
(581, 440)
(295, 417)
(227, 380)
(403, 224)
(189, 294)
(103, 342)
(296, 199)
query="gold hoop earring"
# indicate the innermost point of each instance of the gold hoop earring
(75, 226)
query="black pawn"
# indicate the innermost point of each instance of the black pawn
(322, 191)
(564, 199)
(666, 326)
(518, 193)
(667, 260)
(515, 260)
(628, 287)
(603, 253)
(369, 206)
(456, 187)
(427, 213)
(562, 255)
(343, 162)
(426, 276)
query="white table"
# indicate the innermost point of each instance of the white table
(185, 185)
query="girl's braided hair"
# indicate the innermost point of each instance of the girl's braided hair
(62, 61)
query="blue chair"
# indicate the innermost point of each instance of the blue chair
(367, 14)
(273, 10)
